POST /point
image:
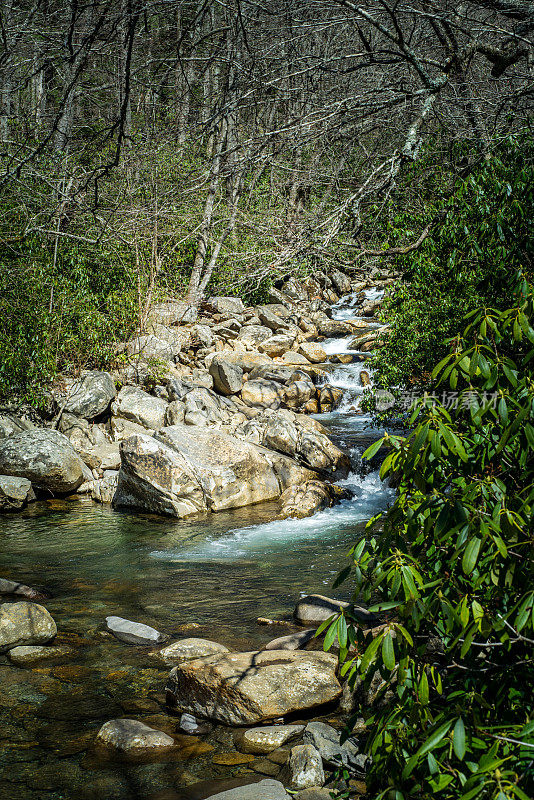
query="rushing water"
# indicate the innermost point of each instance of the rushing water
(210, 577)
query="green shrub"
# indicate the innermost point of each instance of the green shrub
(483, 232)
(453, 568)
(61, 317)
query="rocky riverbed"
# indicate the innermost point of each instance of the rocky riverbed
(209, 414)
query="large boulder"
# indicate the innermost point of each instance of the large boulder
(309, 498)
(103, 490)
(122, 429)
(173, 312)
(298, 393)
(156, 478)
(10, 424)
(227, 378)
(14, 493)
(184, 470)
(228, 306)
(102, 457)
(151, 346)
(254, 334)
(284, 431)
(140, 407)
(247, 361)
(82, 434)
(91, 395)
(270, 319)
(313, 352)
(277, 345)
(24, 623)
(294, 359)
(232, 473)
(341, 282)
(261, 394)
(295, 289)
(248, 688)
(45, 457)
(331, 327)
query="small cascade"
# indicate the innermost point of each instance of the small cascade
(334, 347)
(349, 378)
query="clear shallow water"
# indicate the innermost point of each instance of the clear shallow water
(210, 577)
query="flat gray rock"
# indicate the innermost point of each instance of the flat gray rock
(14, 587)
(133, 632)
(264, 790)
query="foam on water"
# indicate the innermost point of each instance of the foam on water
(335, 346)
(370, 496)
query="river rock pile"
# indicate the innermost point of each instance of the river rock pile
(209, 411)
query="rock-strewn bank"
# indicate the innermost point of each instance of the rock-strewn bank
(210, 412)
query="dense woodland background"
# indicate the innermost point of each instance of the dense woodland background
(176, 147)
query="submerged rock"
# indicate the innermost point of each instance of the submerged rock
(24, 623)
(45, 457)
(27, 655)
(189, 725)
(247, 688)
(14, 587)
(133, 632)
(132, 737)
(188, 649)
